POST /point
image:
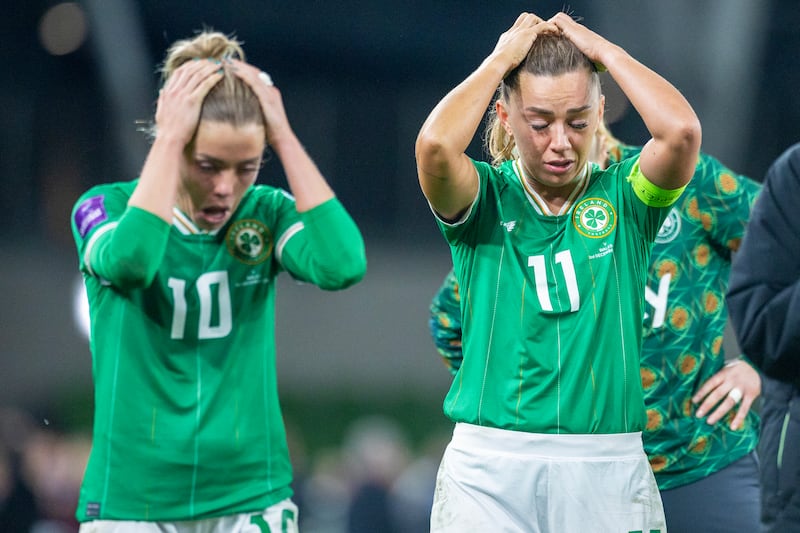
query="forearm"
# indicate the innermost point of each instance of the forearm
(306, 182)
(446, 174)
(329, 252)
(670, 157)
(451, 126)
(157, 189)
(129, 255)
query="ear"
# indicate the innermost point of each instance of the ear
(502, 115)
(602, 110)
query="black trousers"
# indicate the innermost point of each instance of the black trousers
(726, 501)
(779, 451)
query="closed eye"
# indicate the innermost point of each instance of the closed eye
(207, 167)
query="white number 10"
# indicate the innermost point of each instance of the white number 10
(205, 330)
(563, 258)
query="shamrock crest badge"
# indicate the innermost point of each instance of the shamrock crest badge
(249, 241)
(594, 217)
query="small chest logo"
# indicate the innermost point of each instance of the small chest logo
(509, 225)
(594, 217)
(670, 228)
(249, 241)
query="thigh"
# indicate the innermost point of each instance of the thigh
(725, 501)
(613, 495)
(478, 492)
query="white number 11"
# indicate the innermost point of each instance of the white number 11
(563, 258)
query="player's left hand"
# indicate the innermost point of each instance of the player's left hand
(589, 42)
(277, 124)
(736, 382)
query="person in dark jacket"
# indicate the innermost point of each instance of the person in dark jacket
(764, 305)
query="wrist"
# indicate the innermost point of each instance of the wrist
(498, 65)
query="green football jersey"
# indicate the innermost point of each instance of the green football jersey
(552, 305)
(187, 421)
(684, 324)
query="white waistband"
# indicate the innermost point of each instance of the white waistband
(504, 441)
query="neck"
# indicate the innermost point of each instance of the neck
(554, 197)
(550, 192)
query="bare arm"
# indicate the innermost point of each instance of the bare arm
(446, 174)
(177, 114)
(668, 159)
(306, 182)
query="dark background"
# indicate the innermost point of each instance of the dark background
(358, 79)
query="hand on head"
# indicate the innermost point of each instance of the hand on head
(181, 98)
(589, 42)
(515, 42)
(277, 124)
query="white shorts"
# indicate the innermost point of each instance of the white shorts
(278, 518)
(510, 481)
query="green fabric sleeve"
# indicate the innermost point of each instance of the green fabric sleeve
(445, 323)
(129, 255)
(329, 251)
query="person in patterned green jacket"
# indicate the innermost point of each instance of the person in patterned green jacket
(700, 443)
(180, 267)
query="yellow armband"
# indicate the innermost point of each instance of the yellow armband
(652, 195)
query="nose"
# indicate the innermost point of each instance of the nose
(559, 139)
(224, 182)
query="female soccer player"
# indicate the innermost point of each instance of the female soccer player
(701, 433)
(551, 254)
(180, 270)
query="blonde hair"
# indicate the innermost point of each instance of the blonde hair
(231, 100)
(550, 55)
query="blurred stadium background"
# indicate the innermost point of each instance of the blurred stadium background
(358, 79)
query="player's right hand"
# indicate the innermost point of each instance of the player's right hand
(514, 44)
(181, 98)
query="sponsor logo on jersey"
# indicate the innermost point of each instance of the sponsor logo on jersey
(249, 241)
(92, 509)
(89, 214)
(509, 225)
(594, 217)
(670, 228)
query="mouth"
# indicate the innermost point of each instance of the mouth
(559, 166)
(214, 215)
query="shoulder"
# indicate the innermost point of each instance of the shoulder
(622, 151)
(268, 194)
(785, 170)
(504, 170)
(101, 200)
(122, 189)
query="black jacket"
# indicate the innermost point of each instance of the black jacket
(764, 289)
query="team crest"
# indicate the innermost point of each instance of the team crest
(594, 217)
(249, 241)
(670, 228)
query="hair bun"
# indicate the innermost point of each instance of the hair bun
(207, 44)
